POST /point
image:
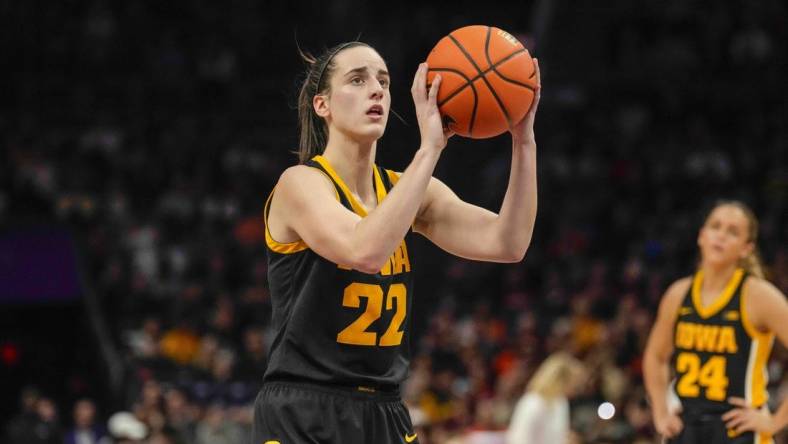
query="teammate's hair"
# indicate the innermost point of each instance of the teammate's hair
(555, 374)
(752, 263)
(313, 131)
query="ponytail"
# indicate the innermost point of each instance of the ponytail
(313, 131)
(753, 265)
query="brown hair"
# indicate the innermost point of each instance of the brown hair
(752, 263)
(313, 131)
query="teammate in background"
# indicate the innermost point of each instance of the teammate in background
(716, 330)
(340, 273)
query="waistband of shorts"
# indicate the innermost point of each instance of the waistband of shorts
(708, 415)
(379, 393)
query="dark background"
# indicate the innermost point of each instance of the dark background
(139, 140)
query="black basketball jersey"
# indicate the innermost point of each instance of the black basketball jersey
(717, 352)
(336, 325)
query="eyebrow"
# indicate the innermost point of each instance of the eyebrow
(362, 69)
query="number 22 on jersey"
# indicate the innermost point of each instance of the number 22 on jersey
(356, 333)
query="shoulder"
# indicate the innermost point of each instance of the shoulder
(303, 178)
(677, 290)
(761, 291)
(673, 298)
(298, 173)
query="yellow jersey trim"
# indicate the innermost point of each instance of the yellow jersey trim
(336, 193)
(721, 300)
(280, 247)
(288, 247)
(357, 207)
(380, 189)
(763, 342)
(393, 177)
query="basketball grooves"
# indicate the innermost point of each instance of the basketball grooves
(460, 89)
(492, 91)
(487, 54)
(470, 81)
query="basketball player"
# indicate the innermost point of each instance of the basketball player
(338, 231)
(716, 330)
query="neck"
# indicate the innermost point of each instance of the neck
(716, 276)
(353, 161)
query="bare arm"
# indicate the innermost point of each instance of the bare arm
(305, 202)
(656, 359)
(476, 233)
(768, 312)
(304, 206)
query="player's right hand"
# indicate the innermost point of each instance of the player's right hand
(667, 424)
(433, 135)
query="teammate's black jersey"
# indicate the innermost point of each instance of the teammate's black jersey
(335, 325)
(717, 352)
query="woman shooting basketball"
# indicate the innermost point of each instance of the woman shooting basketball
(340, 273)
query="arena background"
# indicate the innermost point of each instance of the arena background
(139, 140)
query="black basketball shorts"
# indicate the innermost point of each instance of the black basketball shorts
(300, 413)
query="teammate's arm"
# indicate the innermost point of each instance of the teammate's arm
(304, 205)
(656, 359)
(768, 311)
(473, 232)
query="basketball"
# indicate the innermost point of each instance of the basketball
(488, 80)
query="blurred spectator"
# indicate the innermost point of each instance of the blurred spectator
(216, 428)
(125, 428)
(20, 428)
(86, 430)
(542, 414)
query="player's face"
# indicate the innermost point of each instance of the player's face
(724, 238)
(359, 101)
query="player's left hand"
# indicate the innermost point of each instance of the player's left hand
(523, 132)
(745, 418)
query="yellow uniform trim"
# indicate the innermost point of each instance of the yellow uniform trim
(393, 177)
(763, 342)
(721, 300)
(357, 207)
(280, 247)
(288, 247)
(380, 189)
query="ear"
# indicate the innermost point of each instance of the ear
(321, 105)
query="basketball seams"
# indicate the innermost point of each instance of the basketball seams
(459, 90)
(494, 93)
(506, 79)
(473, 62)
(509, 77)
(470, 81)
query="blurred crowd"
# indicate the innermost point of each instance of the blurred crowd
(157, 148)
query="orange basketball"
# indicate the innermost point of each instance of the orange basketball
(488, 80)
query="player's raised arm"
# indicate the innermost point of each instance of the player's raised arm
(305, 207)
(472, 232)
